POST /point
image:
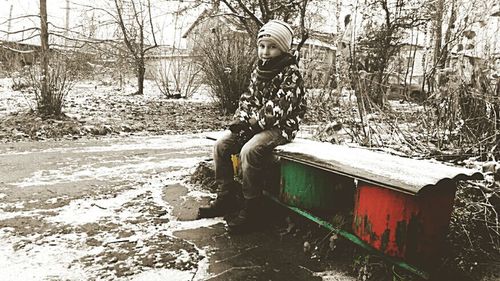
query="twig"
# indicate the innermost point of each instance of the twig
(233, 268)
(237, 255)
(117, 241)
(467, 234)
(95, 205)
(307, 269)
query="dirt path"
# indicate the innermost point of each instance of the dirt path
(121, 209)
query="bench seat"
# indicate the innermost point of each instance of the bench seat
(406, 175)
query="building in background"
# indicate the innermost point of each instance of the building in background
(317, 55)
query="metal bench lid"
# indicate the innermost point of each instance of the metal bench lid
(395, 172)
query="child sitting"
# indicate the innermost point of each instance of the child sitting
(268, 115)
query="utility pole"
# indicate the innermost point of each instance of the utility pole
(66, 24)
(10, 20)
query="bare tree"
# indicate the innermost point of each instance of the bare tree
(448, 28)
(48, 76)
(134, 37)
(253, 14)
(134, 27)
(381, 41)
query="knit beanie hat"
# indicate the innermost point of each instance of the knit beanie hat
(279, 32)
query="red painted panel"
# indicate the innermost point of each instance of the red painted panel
(401, 225)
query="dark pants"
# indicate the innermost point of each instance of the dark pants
(255, 156)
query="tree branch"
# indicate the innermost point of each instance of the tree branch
(248, 12)
(28, 38)
(151, 23)
(121, 23)
(264, 10)
(20, 31)
(17, 18)
(243, 19)
(16, 50)
(303, 32)
(106, 11)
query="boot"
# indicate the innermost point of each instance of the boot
(225, 203)
(249, 218)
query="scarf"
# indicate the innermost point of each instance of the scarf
(267, 70)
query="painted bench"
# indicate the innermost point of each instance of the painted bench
(397, 206)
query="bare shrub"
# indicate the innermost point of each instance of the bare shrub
(20, 81)
(474, 235)
(458, 121)
(60, 81)
(177, 78)
(226, 62)
(463, 117)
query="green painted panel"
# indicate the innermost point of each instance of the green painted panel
(312, 188)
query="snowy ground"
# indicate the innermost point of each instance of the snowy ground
(96, 108)
(123, 209)
(52, 228)
(84, 91)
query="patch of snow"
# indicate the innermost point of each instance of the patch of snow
(90, 90)
(46, 262)
(86, 210)
(114, 144)
(162, 275)
(197, 194)
(12, 101)
(19, 205)
(3, 195)
(52, 200)
(202, 272)
(202, 95)
(334, 276)
(125, 171)
(5, 230)
(183, 257)
(10, 215)
(147, 143)
(175, 225)
(406, 173)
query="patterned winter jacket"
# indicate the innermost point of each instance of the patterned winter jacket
(275, 96)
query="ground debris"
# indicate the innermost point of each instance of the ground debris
(205, 176)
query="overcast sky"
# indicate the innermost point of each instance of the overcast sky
(163, 17)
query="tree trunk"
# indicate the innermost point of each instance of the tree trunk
(438, 30)
(447, 36)
(141, 71)
(44, 103)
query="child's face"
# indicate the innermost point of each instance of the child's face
(267, 50)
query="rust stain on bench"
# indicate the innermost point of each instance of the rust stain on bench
(400, 225)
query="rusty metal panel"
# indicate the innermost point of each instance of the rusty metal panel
(401, 225)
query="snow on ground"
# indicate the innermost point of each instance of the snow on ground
(62, 250)
(12, 101)
(126, 171)
(83, 91)
(47, 262)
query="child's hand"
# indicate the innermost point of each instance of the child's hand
(254, 125)
(237, 126)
